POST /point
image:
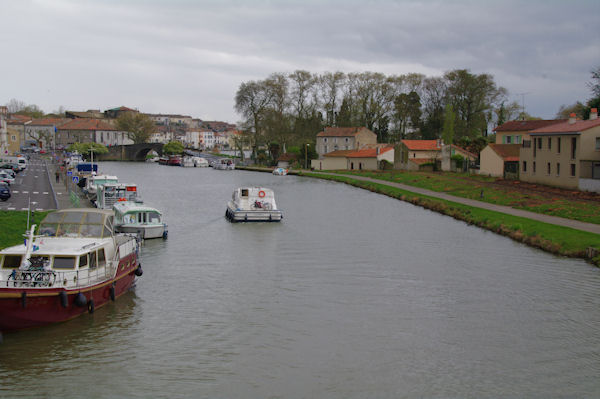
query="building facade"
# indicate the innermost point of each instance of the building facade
(344, 138)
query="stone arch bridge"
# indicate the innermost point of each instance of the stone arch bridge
(131, 152)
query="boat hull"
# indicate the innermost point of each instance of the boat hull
(235, 216)
(22, 308)
(145, 232)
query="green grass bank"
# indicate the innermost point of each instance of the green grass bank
(13, 225)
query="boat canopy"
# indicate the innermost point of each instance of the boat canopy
(78, 222)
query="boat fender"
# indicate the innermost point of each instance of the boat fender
(80, 300)
(64, 300)
(138, 272)
(24, 299)
(111, 292)
(165, 234)
(91, 306)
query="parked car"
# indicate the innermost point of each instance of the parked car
(11, 172)
(5, 177)
(12, 166)
(4, 191)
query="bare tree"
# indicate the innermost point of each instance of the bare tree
(330, 85)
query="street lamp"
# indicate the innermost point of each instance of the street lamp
(306, 156)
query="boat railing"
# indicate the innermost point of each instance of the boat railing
(58, 279)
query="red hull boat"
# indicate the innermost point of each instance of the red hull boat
(75, 265)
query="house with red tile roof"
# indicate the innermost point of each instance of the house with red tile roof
(90, 130)
(343, 138)
(500, 160)
(371, 158)
(564, 155)
(413, 154)
(515, 132)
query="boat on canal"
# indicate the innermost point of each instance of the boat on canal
(280, 171)
(74, 265)
(132, 217)
(111, 193)
(95, 181)
(224, 164)
(253, 204)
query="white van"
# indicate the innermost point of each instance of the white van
(21, 161)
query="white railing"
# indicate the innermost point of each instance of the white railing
(44, 279)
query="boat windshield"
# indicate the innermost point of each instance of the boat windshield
(77, 223)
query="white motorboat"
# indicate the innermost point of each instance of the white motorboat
(200, 162)
(93, 182)
(224, 164)
(75, 265)
(111, 193)
(253, 204)
(147, 222)
(280, 171)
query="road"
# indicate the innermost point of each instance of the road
(31, 185)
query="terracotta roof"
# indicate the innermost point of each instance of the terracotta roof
(368, 152)
(48, 122)
(508, 152)
(16, 118)
(460, 149)
(86, 124)
(522, 126)
(422, 145)
(566, 127)
(339, 131)
(339, 153)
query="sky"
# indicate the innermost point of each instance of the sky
(190, 57)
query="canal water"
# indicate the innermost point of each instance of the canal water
(352, 295)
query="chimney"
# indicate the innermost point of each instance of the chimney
(571, 118)
(593, 114)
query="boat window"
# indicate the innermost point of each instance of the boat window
(93, 262)
(73, 217)
(94, 218)
(11, 262)
(48, 229)
(139, 218)
(54, 217)
(244, 192)
(91, 230)
(101, 257)
(39, 261)
(83, 261)
(145, 217)
(129, 218)
(154, 217)
(67, 229)
(64, 262)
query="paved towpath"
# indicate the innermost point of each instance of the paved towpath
(574, 224)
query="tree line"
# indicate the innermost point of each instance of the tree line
(289, 109)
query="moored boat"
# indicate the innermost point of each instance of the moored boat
(94, 181)
(75, 265)
(147, 222)
(280, 171)
(253, 204)
(224, 164)
(111, 193)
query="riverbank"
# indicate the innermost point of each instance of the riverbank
(14, 225)
(559, 240)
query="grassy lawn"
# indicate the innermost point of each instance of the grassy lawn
(14, 225)
(471, 186)
(555, 239)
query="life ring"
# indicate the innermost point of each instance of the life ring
(261, 194)
(121, 199)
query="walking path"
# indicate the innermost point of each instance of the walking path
(574, 224)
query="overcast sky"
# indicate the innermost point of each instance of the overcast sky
(189, 57)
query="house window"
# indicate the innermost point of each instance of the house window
(549, 143)
(508, 139)
(596, 170)
(539, 140)
(573, 148)
(557, 169)
(549, 168)
(558, 146)
(346, 139)
(325, 140)
(534, 147)
(517, 139)
(524, 166)
(335, 140)
(573, 170)
(534, 167)
(597, 143)
(14, 138)
(325, 149)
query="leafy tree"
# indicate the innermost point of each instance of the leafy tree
(433, 99)
(594, 84)
(138, 126)
(566, 110)
(88, 148)
(330, 85)
(173, 148)
(472, 96)
(449, 118)
(252, 100)
(407, 113)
